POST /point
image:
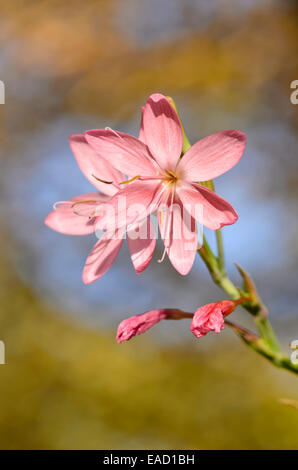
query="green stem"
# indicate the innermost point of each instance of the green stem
(267, 344)
(218, 274)
(266, 331)
(220, 250)
(257, 344)
(278, 359)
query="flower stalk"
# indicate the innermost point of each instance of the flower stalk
(265, 343)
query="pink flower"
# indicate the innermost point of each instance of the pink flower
(160, 177)
(210, 317)
(79, 215)
(139, 324)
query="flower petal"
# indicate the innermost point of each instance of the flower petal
(142, 136)
(206, 207)
(142, 248)
(179, 233)
(130, 205)
(210, 317)
(94, 166)
(123, 151)
(162, 131)
(212, 156)
(139, 324)
(207, 318)
(73, 217)
(101, 257)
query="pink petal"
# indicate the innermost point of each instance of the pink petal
(207, 318)
(142, 136)
(74, 217)
(162, 131)
(131, 205)
(94, 166)
(179, 234)
(142, 249)
(212, 156)
(123, 151)
(210, 317)
(101, 258)
(206, 207)
(138, 324)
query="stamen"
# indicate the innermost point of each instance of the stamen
(114, 132)
(151, 178)
(102, 181)
(82, 202)
(82, 213)
(163, 256)
(167, 227)
(79, 213)
(171, 173)
(161, 216)
(56, 204)
(131, 180)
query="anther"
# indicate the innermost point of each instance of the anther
(102, 181)
(83, 202)
(131, 180)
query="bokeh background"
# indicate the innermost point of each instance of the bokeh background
(70, 66)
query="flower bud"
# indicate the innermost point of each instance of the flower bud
(210, 317)
(139, 324)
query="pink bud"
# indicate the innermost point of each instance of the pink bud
(139, 324)
(210, 317)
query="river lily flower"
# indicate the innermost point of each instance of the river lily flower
(139, 324)
(78, 216)
(211, 317)
(160, 179)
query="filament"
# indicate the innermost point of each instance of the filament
(163, 256)
(167, 227)
(131, 180)
(80, 213)
(114, 132)
(56, 204)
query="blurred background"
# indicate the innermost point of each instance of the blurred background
(69, 66)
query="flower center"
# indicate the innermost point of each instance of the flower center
(170, 178)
